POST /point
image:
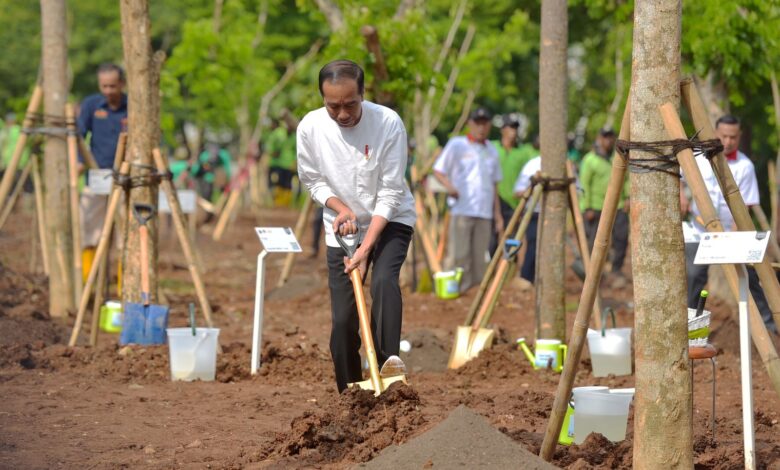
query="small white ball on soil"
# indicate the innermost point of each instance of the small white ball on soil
(406, 346)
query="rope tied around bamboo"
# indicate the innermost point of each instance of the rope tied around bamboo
(665, 151)
(52, 125)
(153, 178)
(552, 184)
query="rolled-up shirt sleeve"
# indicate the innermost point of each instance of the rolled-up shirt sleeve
(392, 186)
(308, 169)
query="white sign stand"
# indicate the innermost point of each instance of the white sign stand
(739, 248)
(274, 240)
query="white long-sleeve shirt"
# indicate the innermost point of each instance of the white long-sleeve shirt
(363, 166)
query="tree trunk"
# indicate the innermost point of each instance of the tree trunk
(143, 129)
(662, 406)
(55, 93)
(552, 126)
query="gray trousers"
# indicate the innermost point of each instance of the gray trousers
(468, 244)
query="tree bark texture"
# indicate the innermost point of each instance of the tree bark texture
(551, 309)
(143, 130)
(662, 405)
(59, 242)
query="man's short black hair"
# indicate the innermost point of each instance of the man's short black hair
(109, 67)
(339, 69)
(727, 119)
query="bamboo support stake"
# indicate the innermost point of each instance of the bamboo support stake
(730, 190)
(184, 239)
(508, 231)
(40, 211)
(86, 153)
(102, 251)
(75, 219)
(300, 231)
(761, 338)
(9, 206)
(772, 170)
(441, 248)
(588, 296)
(582, 241)
(98, 301)
(13, 164)
(425, 238)
(774, 248)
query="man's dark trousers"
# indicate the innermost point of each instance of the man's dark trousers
(386, 304)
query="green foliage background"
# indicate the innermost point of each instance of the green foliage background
(215, 79)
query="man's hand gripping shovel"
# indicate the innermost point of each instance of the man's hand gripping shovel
(393, 370)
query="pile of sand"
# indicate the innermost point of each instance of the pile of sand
(463, 440)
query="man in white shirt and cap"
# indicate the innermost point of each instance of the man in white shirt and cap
(728, 130)
(352, 157)
(469, 169)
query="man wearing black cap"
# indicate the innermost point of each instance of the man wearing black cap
(594, 177)
(469, 169)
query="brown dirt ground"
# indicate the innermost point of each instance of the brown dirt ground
(105, 407)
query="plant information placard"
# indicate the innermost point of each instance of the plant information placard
(278, 239)
(732, 247)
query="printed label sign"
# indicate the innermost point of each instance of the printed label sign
(188, 200)
(278, 239)
(732, 247)
(690, 235)
(100, 181)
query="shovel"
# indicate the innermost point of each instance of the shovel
(470, 340)
(144, 323)
(393, 370)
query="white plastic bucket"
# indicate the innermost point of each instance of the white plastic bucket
(193, 357)
(611, 353)
(604, 413)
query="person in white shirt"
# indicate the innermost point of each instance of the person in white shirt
(351, 158)
(728, 130)
(469, 169)
(530, 169)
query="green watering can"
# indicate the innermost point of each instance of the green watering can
(550, 353)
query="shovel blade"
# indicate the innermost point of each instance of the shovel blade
(482, 339)
(392, 366)
(384, 383)
(144, 324)
(460, 348)
(468, 345)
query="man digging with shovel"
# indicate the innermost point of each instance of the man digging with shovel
(352, 157)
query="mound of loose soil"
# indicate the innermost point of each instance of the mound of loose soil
(463, 440)
(429, 352)
(355, 427)
(24, 315)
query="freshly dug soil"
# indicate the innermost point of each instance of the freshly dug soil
(354, 427)
(463, 440)
(110, 407)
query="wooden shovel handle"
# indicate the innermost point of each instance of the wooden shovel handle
(144, 232)
(365, 329)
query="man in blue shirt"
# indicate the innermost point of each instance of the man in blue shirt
(104, 117)
(104, 114)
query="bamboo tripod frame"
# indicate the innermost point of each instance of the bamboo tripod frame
(300, 231)
(759, 332)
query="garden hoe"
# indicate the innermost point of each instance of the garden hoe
(393, 370)
(470, 340)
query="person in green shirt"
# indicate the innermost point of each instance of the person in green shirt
(282, 166)
(512, 158)
(594, 178)
(212, 171)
